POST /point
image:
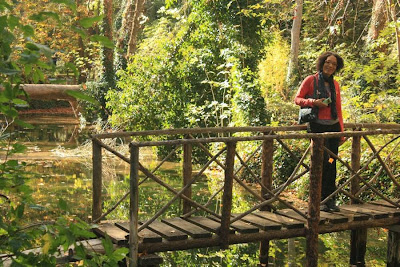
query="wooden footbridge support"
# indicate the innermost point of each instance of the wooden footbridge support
(219, 222)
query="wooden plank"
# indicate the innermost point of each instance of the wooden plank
(334, 218)
(352, 215)
(289, 223)
(117, 235)
(207, 223)
(294, 215)
(240, 226)
(384, 203)
(146, 235)
(261, 222)
(167, 232)
(188, 228)
(360, 209)
(390, 210)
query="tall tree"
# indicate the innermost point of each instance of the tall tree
(292, 72)
(378, 19)
(393, 16)
(136, 26)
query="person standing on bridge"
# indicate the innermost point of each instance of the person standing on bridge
(329, 116)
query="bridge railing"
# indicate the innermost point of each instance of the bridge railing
(234, 151)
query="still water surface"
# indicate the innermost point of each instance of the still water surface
(60, 151)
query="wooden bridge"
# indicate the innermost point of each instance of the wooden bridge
(366, 166)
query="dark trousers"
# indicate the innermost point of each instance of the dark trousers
(329, 165)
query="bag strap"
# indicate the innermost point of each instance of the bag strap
(315, 94)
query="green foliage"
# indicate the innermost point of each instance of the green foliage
(17, 234)
(200, 73)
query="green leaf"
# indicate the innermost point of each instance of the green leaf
(120, 253)
(108, 246)
(89, 22)
(81, 32)
(13, 22)
(20, 211)
(20, 102)
(69, 3)
(62, 204)
(19, 148)
(8, 71)
(83, 96)
(28, 69)
(32, 47)
(28, 31)
(23, 124)
(42, 16)
(12, 163)
(104, 41)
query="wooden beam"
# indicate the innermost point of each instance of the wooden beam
(313, 215)
(227, 196)
(97, 180)
(134, 207)
(267, 163)
(187, 175)
(358, 237)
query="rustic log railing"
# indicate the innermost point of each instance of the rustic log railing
(231, 161)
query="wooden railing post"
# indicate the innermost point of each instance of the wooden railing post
(267, 161)
(187, 175)
(227, 195)
(313, 215)
(393, 246)
(97, 179)
(358, 237)
(134, 206)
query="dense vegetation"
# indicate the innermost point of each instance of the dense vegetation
(170, 64)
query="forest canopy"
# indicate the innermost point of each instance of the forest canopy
(172, 64)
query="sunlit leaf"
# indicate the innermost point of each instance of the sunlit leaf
(83, 96)
(89, 22)
(47, 243)
(104, 41)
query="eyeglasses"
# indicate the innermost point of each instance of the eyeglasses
(330, 63)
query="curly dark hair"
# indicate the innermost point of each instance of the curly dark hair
(321, 60)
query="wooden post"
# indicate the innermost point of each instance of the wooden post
(313, 215)
(267, 159)
(393, 246)
(97, 179)
(134, 206)
(358, 237)
(187, 175)
(227, 196)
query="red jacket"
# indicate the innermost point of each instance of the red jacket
(307, 90)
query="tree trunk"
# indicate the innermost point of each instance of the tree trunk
(136, 27)
(293, 68)
(392, 14)
(378, 19)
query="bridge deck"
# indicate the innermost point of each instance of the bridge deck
(196, 232)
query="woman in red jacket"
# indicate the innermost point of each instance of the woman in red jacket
(329, 108)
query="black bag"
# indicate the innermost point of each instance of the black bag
(309, 114)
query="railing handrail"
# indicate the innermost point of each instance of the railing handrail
(261, 129)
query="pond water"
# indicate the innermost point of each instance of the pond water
(60, 153)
